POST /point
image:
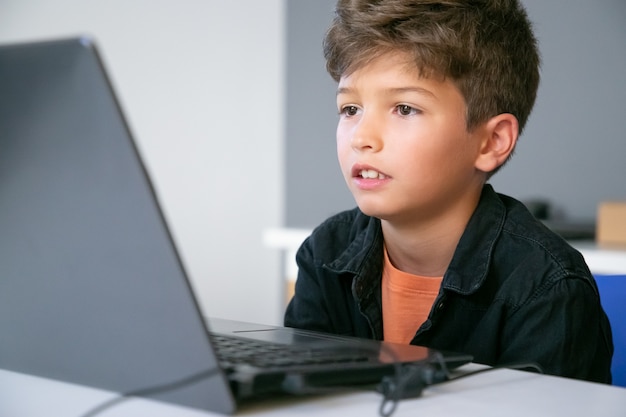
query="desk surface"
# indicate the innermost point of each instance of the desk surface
(496, 393)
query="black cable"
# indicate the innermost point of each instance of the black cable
(407, 381)
(414, 378)
(518, 366)
(150, 391)
(293, 383)
(410, 382)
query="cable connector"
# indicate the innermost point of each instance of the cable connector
(410, 382)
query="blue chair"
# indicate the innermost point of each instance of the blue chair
(613, 297)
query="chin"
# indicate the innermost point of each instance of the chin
(373, 210)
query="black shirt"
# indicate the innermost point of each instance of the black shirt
(514, 292)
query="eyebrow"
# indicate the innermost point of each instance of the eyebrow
(393, 90)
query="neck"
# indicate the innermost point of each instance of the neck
(425, 246)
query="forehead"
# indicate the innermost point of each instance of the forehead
(391, 72)
(403, 64)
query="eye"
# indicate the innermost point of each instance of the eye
(406, 110)
(349, 110)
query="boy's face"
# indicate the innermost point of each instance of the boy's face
(402, 142)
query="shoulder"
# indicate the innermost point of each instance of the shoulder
(504, 240)
(529, 240)
(536, 265)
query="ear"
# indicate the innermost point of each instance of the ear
(498, 138)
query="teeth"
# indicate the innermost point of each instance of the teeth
(372, 174)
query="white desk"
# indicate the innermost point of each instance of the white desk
(497, 393)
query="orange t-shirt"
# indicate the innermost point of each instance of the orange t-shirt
(407, 300)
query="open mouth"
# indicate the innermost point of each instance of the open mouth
(370, 174)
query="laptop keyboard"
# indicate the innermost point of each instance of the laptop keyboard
(232, 350)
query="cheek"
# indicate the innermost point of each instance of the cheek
(343, 140)
(342, 132)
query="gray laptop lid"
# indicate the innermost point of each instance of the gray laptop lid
(92, 290)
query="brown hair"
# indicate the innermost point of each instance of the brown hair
(486, 47)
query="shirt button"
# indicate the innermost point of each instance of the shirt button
(440, 305)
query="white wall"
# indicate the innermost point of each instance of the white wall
(202, 85)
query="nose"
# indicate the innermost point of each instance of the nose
(366, 135)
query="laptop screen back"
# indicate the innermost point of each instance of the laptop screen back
(92, 290)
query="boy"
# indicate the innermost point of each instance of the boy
(432, 96)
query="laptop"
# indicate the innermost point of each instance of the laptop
(92, 288)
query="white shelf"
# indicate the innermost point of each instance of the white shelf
(601, 260)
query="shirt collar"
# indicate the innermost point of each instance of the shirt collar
(366, 247)
(470, 264)
(472, 258)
